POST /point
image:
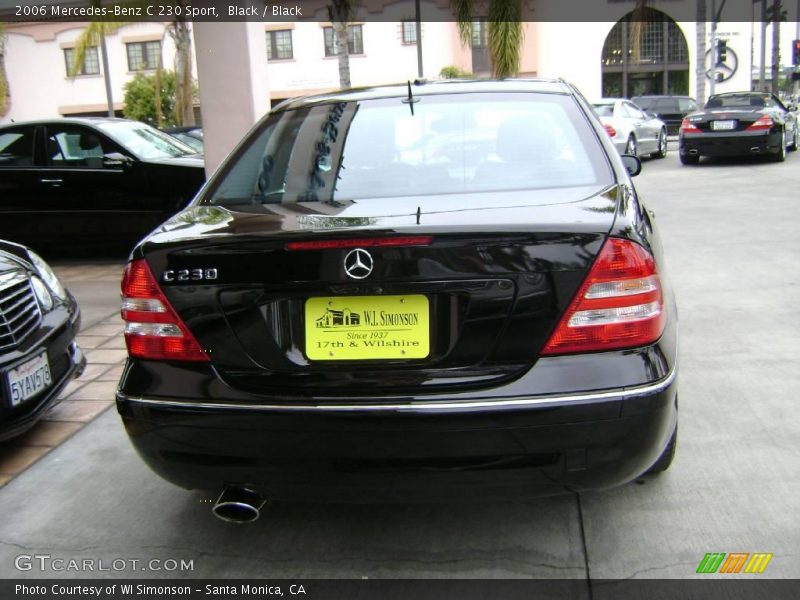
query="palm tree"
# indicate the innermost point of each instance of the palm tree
(95, 35)
(504, 32)
(341, 13)
(5, 95)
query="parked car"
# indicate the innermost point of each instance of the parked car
(670, 109)
(738, 123)
(344, 313)
(91, 180)
(39, 320)
(190, 135)
(632, 130)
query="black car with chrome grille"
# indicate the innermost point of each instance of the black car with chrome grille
(407, 292)
(39, 320)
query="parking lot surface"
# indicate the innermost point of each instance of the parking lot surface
(732, 250)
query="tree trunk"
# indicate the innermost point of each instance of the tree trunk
(700, 52)
(776, 44)
(5, 93)
(184, 98)
(341, 13)
(342, 52)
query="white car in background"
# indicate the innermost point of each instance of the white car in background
(632, 130)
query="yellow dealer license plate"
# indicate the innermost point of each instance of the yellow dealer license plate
(367, 327)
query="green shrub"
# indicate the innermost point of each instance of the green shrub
(140, 99)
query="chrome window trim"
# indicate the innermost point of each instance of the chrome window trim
(426, 407)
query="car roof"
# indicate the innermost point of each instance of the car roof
(429, 88)
(70, 120)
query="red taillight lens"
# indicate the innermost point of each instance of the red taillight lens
(153, 329)
(415, 240)
(610, 131)
(762, 124)
(688, 127)
(619, 305)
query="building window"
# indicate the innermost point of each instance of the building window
(409, 32)
(91, 63)
(355, 40)
(480, 34)
(143, 55)
(279, 45)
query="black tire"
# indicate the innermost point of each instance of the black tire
(793, 146)
(780, 155)
(689, 159)
(667, 456)
(662, 145)
(630, 146)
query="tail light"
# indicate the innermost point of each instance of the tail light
(688, 127)
(762, 124)
(610, 131)
(153, 329)
(619, 305)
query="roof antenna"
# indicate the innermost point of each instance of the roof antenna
(410, 100)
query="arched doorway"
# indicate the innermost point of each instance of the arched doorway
(658, 64)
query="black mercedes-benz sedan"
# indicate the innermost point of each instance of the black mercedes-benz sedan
(39, 320)
(738, 124)
(409, 292)
(91, 180)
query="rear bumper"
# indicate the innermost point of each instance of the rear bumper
(524, 446)
(730, 144)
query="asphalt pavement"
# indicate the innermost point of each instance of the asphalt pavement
(730, 236)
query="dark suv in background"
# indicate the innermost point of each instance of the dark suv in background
(670, 109)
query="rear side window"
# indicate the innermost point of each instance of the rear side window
(687, 105)
(16, 147)
(450, 144)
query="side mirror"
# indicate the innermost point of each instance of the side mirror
(632, 164)
(117, 159)
(651, 115)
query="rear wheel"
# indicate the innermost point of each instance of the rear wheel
(689, 159)
(662, 144)
(793, 146)
(630, 147)
(667, 456)
(780, 155)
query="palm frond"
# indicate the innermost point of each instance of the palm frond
(505, 35)
(92, 36)
(463, 13)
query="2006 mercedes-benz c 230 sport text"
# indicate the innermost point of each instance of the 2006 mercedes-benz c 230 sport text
(407, 292)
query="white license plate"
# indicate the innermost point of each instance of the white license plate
(723, 125)
(28, 379)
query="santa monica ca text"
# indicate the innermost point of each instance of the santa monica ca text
(244, 589)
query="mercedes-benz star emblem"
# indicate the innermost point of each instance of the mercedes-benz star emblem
(358, 263)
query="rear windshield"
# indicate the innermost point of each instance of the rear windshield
(446, 144)
(739, 101)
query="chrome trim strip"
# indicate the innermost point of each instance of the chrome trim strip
(427, 407)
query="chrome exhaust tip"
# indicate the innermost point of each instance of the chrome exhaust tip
(238, 505)
(693, 152)
(755, 149)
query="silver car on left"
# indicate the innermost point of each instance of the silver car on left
(632, 130)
